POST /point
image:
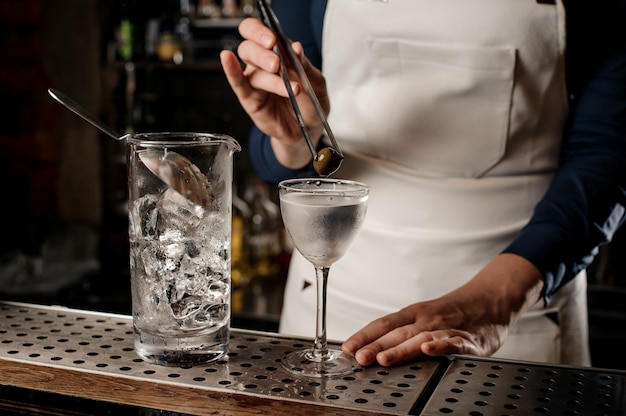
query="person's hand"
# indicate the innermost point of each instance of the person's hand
(262, 93)
(473, 319)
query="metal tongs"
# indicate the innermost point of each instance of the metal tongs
(328, 160)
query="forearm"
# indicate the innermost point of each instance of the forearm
(267, 165)
(295, 154)
(506, 287)
(586, 202)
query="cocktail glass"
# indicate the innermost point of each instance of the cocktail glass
(322, 216)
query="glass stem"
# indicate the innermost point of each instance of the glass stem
(320, 346)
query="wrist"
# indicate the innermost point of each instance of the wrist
(505, 288)
(295, 154)
(516, 282)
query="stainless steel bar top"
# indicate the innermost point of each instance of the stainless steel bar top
(90, 355)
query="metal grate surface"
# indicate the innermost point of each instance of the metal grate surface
(483, 387)
(103, 343)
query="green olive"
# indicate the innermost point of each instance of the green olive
(327, 162)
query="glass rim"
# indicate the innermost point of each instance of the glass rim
(180, 138)
(359, 188)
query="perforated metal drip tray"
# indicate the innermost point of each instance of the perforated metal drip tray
(103, 344)
(476, 387)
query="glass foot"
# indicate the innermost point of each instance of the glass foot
(310, 363)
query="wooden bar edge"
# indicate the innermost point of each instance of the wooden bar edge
(153, 395)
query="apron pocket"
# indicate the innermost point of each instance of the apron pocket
(443, 110)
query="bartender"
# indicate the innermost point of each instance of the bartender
(496, 167)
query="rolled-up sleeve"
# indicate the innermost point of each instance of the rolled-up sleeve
(586, 201)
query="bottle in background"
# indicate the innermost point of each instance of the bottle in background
(264, 238)
(239, 253)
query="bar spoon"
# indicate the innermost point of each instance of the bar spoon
(172, 168)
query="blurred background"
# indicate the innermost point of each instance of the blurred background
(149, 65)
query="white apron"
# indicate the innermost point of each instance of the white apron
(452, 112)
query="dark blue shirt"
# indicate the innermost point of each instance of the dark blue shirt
(586, 202)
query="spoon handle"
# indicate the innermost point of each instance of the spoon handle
(83, 113)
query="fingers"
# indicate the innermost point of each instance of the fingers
(380, 335)
(392, 350)
(262, 64)
(250, 86)
(232, 69)
(377, 329)
(255, 30)
(256, 48)
(400, 346)
(408, 350)
(236, 78)
(449, 345)
(402, 337)
(251, 53)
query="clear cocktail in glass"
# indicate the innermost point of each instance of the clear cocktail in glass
(322, 216)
